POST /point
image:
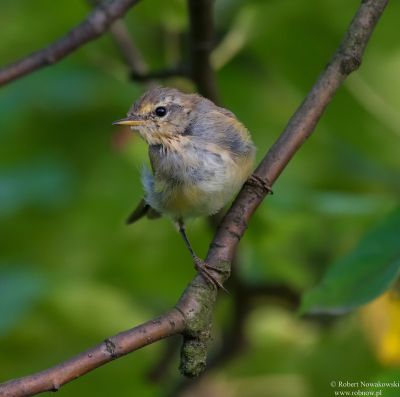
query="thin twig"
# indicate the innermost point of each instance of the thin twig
(123, 40)
(127, 47)
(195, 307)
(96, 23)
(201, 45)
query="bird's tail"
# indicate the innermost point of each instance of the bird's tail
(143, 209)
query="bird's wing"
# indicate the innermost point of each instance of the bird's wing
(143, 209)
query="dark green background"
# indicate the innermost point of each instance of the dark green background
(71, 272)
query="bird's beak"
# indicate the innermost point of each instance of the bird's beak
(131, 121)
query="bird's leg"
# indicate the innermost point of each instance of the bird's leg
(202, 267)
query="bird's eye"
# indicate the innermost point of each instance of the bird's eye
(160, 111)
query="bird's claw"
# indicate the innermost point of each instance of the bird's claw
(204, 269)
(255, 180)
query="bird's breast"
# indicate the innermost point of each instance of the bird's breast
(195, 180)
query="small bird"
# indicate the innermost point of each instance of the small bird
(200, 156)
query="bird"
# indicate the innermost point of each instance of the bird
(200, 156)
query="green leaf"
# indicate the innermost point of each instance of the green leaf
(362, 275)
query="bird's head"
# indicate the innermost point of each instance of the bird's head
(161, 115)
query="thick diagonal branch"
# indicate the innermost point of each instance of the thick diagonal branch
(97, 22)
(346, 59)
(193, 314)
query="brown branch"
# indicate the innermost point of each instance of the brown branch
(96, 23)
(194, 309)
(116, 346)
(201, 45)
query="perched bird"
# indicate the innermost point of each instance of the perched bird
(200, 156)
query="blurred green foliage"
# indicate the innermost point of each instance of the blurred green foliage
(368, 271)
(72, 273)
